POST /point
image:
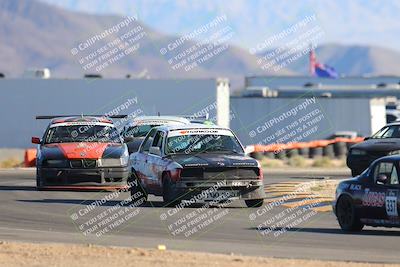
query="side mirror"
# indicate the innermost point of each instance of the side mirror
(155, 151)
(128, 139)
(382, 178)
(36, 140)
(366, 138)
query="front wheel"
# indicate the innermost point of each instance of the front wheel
(346, 215)
(170, 196)
(39, 183)
(138, 193)
(254, 203)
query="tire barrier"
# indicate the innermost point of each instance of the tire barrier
(328, 151)
(337, 147)
(340, 149)
(316, 152)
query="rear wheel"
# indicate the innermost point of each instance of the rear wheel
(170, 195)
(256, 203)
(136, 187)
(346, 215)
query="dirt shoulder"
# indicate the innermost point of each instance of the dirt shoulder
(27, 254)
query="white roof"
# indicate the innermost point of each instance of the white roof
(149, 120)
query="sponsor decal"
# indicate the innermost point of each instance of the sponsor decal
(201, 132)
(156, 122)
(244, 164)
(373, 199)
(391, 203)
(355, 187)
(195, 164)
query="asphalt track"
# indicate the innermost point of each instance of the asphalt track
(30, 215)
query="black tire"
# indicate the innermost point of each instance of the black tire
(39, 183)
(137, 188)
(170, 195)
(254, 203)
(346, 215)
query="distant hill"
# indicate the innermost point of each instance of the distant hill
(36, 35)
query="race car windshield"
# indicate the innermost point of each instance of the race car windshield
(82, 133)
(138, 131)
(392, 131)
(208, 143)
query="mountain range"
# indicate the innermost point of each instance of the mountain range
(34, 34)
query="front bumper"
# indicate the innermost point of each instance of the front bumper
(93, 177)
(244, 189)
(359, 163)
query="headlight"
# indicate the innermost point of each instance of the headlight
(358, 152)
(394, 152)
(122, 161)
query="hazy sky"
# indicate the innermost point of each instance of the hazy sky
(346, 22)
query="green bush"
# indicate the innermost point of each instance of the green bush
(10, 163)
(323, 162)
(297, 161)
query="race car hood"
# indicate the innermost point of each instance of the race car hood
(86, 150)
(379, 145)
(214, 160)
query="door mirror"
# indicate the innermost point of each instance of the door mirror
(382, 179)
(36, 140)
(367, 137)
(155, 150)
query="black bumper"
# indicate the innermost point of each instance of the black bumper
(358, 163)
(113, 176)
(244, 189)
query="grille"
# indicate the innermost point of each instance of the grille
(86, 163)
(220, 173)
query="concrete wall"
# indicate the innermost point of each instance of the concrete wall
(275, 120)
(22, 99)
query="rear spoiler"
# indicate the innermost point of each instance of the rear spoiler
(190, 117)
(49, 117)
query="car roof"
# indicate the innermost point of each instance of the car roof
(82, 119)
(168, 119)
(393, 123)
(190, 126)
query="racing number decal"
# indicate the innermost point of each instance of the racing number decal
(391, 204)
